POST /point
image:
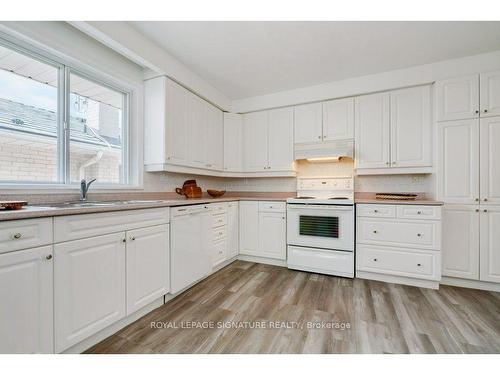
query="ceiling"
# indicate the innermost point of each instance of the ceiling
(244, 59)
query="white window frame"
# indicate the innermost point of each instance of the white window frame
(131, 173)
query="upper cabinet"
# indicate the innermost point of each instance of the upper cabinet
(338, 119)
(233, 155)
(308, 126)
(181, 129)
(268, 141)
(473, 96)
(326, 121)
(393, 131)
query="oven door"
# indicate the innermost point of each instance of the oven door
(321, 226)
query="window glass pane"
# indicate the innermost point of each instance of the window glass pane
(28, 118)
(96, 131)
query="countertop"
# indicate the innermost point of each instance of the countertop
(45, 210)
(369, 198)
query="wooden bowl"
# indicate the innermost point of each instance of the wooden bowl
(216, 193)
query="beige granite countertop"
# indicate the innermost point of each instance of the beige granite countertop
(369, 198)
(41, 208)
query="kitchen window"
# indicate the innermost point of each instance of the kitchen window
(58, 124)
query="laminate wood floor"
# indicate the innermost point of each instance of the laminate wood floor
(269, 309)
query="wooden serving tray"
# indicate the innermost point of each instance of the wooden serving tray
(396, 196)
(12, 205)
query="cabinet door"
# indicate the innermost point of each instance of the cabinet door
(213, 137)
(411, 127)
(458, 161)
(308, 123)
(26, 310)
(198, 129)
(490, 160)
(280, 139)
(232, 229)
(148, 265)
(272, 235)
(490, 244)
(233, 156)
(89, 287)
(457, 98)
(249, 227)
(372, 122)
(255, 156)
(338, 119)
(177, 122)
(460, 242)
(490, 94)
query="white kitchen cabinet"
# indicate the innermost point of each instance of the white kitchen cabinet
(308, 123)
(233, 155)
(460, 245)
(255, 146)
(24, 234)
(272, 235)
(490, 94)
(457, 98)
(212, 137)
(489, 254)
(338, 119)
(233, 229)
(280, 139)
(148, 265)
(181, 129)
(249, 227)
(26, 292)
(490, 160)
(411, 127)
(458, 161)
(372, 131)
(89, 287)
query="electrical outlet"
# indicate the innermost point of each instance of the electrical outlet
(415, 179)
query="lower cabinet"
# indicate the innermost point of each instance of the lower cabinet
(148, 265)
(461, 242)
(89, 287)
(489, 253)
(26, 310)
(263, 229)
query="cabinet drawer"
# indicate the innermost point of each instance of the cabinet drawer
(419, 234)
(272, 206)
(218, 208)
(376, 210)
(23, 234)
(219, 233)
(401, 262)
(321, 261)
(219, 220)
(74, 227)
(219, 252)
(419, 212)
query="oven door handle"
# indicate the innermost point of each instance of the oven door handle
(319, 206)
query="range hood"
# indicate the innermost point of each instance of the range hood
(324, 151)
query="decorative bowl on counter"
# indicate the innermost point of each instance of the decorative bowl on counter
(216, 193)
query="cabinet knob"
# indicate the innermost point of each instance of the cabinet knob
(418, 264)
(124, 240)
(419, 234)
(375, 211)
(485, 199)
(387, 163)
(477, 209)
(48, 257)
(132, 238)
(374, 259)
(477, 199)
(374, 231)
(419, 212)
(393, 162)
(283, 217)
(485, 210)
(319, 136)
(476, 111)
(17, 236)
(485, 111)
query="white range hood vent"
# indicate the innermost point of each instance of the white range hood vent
(325, 151)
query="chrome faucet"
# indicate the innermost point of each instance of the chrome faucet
(84, 188)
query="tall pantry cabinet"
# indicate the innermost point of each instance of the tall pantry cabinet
(468, 175)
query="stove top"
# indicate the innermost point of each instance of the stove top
(324, 190)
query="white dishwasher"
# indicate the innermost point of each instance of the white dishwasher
(190, 240)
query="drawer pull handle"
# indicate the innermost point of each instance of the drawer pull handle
(374, 231)
(374, 259)
(418, 264)
(48, 257)
(419, 235)
(17, 236)
(375, 211)
(124, 240)
(419, 212)
(132, 238)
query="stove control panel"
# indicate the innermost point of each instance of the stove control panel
(330, 183)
